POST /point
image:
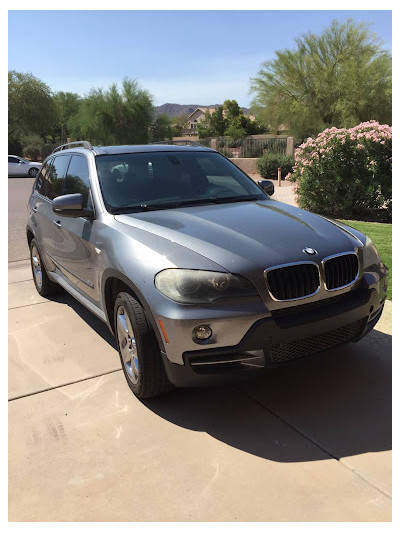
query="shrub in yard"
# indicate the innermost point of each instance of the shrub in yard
(347, 173)
(47, 150)
(226, 152)
(14, 146)
(268, 165)
(32, 147)
(229, 142)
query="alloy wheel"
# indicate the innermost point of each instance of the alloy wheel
(127, 345)
(36, 267)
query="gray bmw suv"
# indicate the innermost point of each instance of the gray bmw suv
(198, 273)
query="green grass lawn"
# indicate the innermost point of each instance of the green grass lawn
(381, 235)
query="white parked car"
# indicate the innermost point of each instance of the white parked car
(17, 166)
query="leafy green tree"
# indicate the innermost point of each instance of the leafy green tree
(237, 124)
(338, 78)
(115, 116)
(205, 128)
(229, 120)
(232, 109)
(178, 124)
(33, 145)
(214, 124)
(31, 109)
(218, 121)
(67, 106)
(235, 129)
(161, 129)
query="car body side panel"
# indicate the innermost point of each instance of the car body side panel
(75, 253)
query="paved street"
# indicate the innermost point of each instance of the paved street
(19, 190)
(309, 442)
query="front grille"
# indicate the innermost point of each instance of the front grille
(340, 271)
(294, 281)
(288, 351)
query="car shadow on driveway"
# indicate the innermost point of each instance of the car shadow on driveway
(340, 400)
(95, 323)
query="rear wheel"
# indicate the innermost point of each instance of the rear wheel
(33, 172)
(43, 284)
(138, 349)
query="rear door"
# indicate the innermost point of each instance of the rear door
(75, 254)
(37, 207)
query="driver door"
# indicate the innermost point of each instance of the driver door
(76, 253)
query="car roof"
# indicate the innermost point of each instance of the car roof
(143, 148)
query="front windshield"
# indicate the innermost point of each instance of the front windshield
(155, 180)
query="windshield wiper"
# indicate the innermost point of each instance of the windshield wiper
(232, 199)
(184, 203)
(153, 207)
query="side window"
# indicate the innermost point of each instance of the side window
(55, 176)
(77, 179)
(41, 184)
(13, 160)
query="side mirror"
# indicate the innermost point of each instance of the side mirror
(70, 205)
(267, 186)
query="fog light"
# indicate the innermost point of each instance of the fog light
(202, 332)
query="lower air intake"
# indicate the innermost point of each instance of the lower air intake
(288, 351)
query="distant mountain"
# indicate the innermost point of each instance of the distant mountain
(175, 110)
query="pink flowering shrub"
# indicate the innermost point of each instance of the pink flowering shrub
(346, 173)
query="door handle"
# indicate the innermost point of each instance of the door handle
(34, 209)
(57, 223)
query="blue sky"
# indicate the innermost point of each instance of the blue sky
(186, 57)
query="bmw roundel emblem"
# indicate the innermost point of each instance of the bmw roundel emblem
(309, 251)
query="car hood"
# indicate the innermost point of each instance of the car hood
(245, 236)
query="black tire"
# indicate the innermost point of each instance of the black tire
(33, 172)
(45, 287)
(145, 374)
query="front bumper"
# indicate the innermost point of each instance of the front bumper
(285, 335)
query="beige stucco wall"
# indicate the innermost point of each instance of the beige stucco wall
(247, 164)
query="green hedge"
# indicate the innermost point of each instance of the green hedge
(268, 164)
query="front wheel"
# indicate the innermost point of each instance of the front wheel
(43, 284)
(33, 172)
(138, 349)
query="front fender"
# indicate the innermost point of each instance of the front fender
(110, 274)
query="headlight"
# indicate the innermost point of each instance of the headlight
(201, 286)
(370, 254)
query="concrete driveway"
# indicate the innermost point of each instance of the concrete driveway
(309, 442)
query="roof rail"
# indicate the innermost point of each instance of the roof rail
(181, 142)
(85, 144)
